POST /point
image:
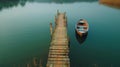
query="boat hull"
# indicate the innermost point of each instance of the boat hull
(81, 34)
(82, 28)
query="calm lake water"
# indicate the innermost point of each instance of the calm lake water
(24, 32)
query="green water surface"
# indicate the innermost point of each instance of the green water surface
(24, 32)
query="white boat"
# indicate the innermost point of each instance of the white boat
(82, 27)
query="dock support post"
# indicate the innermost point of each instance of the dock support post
(40, 63)
(28, 65)
(55, 20)
(58, 12)
(51, 29)
(35, 62)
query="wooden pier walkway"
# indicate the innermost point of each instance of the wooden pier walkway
(59, 46)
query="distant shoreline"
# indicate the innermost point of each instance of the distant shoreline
(112, 3)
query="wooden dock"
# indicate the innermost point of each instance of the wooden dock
(59, 46)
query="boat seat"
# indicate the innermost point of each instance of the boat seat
(81, 26)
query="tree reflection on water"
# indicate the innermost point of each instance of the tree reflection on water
(13, 3)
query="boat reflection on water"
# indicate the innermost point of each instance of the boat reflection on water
(81, 39)
(81, 30)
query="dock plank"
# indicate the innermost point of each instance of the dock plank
(59, 49)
